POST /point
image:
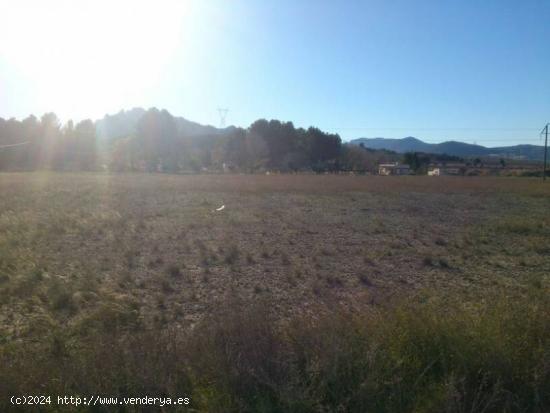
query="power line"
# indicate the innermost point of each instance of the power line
(430, 129)
(13, 144)
(478, 140)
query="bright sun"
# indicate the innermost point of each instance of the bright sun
(90, 56)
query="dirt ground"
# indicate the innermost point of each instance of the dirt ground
(77, 248)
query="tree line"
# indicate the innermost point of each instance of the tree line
(156, 141)
(43, 143)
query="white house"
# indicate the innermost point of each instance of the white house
(446, 169)
(393, 168)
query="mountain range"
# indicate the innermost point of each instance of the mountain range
(124, 123)
(465, 150)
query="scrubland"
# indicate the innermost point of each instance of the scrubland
(307, 293)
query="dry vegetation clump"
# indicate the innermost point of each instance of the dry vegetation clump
(433, 356)
(174, 271)
(232, 255)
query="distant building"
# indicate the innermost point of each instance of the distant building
(438, 171)
(393, 168)
(228, 167)
(446, 169)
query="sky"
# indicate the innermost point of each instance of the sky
(473, 71)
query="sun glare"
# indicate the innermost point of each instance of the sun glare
(91, 57)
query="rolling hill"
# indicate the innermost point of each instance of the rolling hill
(411, 144)
(124, 123)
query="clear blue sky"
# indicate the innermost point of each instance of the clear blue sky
(438, 70)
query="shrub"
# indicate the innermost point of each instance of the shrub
(250, 259)
(334, 281)
(174, 271)
(444, 263)
(428, 261)
(440, 241)
(232, 255)
(416, 357)
(365, 280)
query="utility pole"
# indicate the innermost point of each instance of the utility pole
(223, 114)
(545, 131)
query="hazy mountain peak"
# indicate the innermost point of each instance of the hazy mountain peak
(124, 124)
(455, 148)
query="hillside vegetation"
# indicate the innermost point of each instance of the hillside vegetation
(155, 141)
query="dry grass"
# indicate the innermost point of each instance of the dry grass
(128, 253)
(122, 235)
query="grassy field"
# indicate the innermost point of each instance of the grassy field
(306, 293)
